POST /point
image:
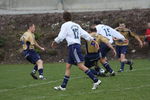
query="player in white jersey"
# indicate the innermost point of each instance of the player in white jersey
(111, 34)
(72, 33)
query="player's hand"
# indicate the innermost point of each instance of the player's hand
(114, 53)
(96, 44)
(43, 49)
(144, 43)
(126, 41)
(141, 44)
(53, 45)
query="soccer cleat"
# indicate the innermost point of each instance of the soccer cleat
(106, 72)
(112, 74)
(95, 85)
(59, 88)
(33, 75)
(120, 70)
(101, 74)
(131, 65)
(42, 77)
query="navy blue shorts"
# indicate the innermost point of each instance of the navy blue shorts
(121, 50)
(75, 54)
(104, 49)
(91, 59)
(31, 56)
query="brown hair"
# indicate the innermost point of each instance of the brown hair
(67, 16)
(29, 25)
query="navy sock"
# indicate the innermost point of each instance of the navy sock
(65, 81)
(128, 62)
(40, 71)
(35, 69)
(98, 69)
(91, 75)
(122, 65)
(94, 71)
(108, 68)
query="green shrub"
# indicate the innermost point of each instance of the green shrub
(2, 55)
(2, 41)
(52, 52)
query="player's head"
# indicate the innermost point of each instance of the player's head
(31, 27)
(96, 22)
(148, 24)
(93, 28)
(67, 16)
(122, 25)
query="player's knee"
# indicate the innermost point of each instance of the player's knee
(40, 62)
(82, 67)
(102, 60)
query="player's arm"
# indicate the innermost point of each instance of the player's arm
(24, 38)
(61, 36)
(117, 35)
(38, 46)
(137, 38)
(106, 41)
(112, 48)
(88, 37)
(147, 35)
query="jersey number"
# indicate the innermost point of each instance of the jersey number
(107, 32)
(75, 30)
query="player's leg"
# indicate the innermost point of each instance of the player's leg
(90, 74)
(104, 51)
(34, 72)
(92, 60)
(34, 58)
(100, 71)
(79, 59)
(35, 68)
(39, 63)
(66, 78)
(123, 60)
(106, 65)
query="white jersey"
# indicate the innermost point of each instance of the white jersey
(72, 32)
(109, 32)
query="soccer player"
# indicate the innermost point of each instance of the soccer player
(29, 43)
(94, 55)
(72, 33)
(109, 33)
(121, 46)
(147, 35)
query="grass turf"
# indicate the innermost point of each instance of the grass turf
(17, 84)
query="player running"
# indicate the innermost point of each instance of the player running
(109, 33)
(29, 43)
(72, 33)
(94, 55)
(121, 47)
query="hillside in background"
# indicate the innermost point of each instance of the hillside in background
(48, 26)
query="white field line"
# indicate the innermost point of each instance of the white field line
(91, 92)
(111, 90)
(34, 85)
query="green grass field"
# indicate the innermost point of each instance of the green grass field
(17, 84)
